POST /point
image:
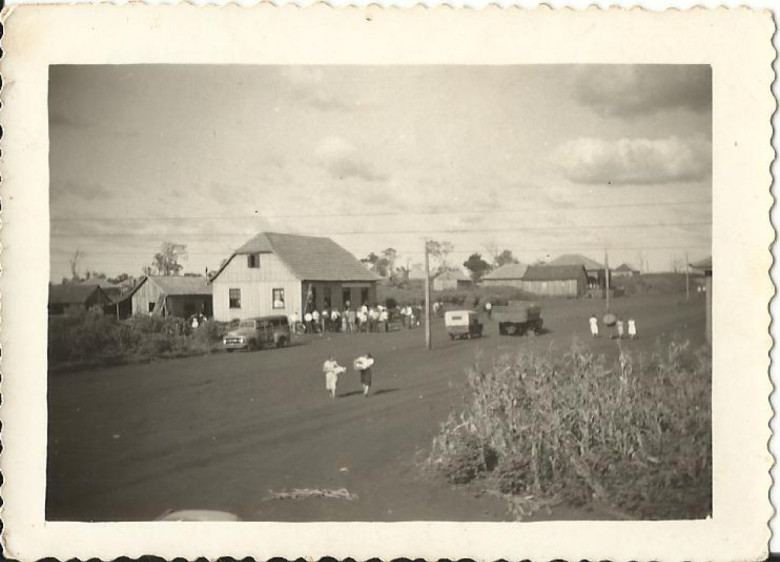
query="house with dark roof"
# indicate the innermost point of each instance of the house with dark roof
(289, 274)
(556, 280)
(597, 275)
(73, 298)
(451, 279)
(166, 296)
(508, 275)
(624, 270)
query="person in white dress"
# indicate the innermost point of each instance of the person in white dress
(631, 328)
(332, 370)
(594, 326)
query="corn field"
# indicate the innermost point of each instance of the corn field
(542, 429)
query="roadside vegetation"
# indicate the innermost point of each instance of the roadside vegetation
(92, 339)
(540, 429)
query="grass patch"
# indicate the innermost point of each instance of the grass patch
(541, 430)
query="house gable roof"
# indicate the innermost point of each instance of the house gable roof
(453, 274)
(179, 285)
(624, 267)
(507, 271)
(72, 293)
(554, 272)
(576, 259)
(310, 258)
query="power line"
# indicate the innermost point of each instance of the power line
(257, 215)
(397, 231)
(597, 247)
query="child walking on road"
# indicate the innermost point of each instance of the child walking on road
(363, 366)
(332, 371)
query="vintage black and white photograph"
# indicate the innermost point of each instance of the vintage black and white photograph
(380, 293)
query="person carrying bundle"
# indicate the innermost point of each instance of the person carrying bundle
(363, 366)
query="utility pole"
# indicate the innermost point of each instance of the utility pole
(427, 300)
(687, 279)
(606, 275)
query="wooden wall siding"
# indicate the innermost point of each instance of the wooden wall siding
(444, 284)
(555, 288)
(517, 283)
(256, 299)
(256, 285)
(148, 292)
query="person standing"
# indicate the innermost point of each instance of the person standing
(315, 320)
(363, 365)
(620, 328)
(594, 326)
(332, 370)
(384, 317)
(308, 318)
(489, 309)
(631, 328)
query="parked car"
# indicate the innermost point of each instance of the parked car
(462, 324)
(254, 333)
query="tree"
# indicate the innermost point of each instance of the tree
(504, 258)
(376, 264)
(166, 261)
(390, 255)
(439, 251)
(75, 262)
(476, 266)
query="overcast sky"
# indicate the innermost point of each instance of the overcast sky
(541, 160)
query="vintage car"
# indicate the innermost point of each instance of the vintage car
(518, 318)
(462, 324)
(254, 333)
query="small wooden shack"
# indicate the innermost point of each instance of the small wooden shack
(451, 279)
(556, 280)
(508, 275)
(180, 296)
(73, 298)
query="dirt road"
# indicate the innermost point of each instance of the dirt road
(226, 431)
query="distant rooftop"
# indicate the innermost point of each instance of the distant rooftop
(507, 271)
(577, 259)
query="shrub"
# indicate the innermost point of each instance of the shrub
(635, 434)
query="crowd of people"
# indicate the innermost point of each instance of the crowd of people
(365, 319)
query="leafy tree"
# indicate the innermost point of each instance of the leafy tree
(166, 261)
(476, 266)
(377, 264)
(390, 255)
(504, 258)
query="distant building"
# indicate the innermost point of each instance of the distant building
(624, 270)
(285, 273)
(556, 280)
(705, 265)
(169, 295)
(452, 279)
(508, 275)
(112, 290)
(416, 273)
(73, 298)
(597, 276)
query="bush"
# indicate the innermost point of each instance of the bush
(90, 339)
(635, 435)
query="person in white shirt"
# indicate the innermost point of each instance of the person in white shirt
(363, 365)
(308, 318)
(383, 318)
(631, 328)
(594, 326)
(315, 320)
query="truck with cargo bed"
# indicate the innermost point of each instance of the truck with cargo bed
(518, 318)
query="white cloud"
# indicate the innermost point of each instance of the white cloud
(635, 161)
(342, 160)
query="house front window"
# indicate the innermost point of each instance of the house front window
(253, 261)
(234, 296)
(277, 297)
(152, 304)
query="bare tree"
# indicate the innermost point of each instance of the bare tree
(75, 263)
